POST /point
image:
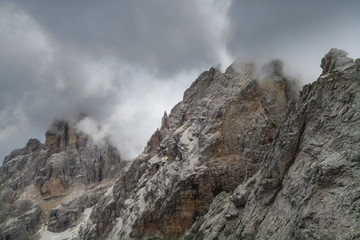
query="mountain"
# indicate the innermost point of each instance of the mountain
(242, 156)
(51, 184)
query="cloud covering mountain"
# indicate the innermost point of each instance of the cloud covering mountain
(124, 63)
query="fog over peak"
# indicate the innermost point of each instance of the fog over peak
(124, 62)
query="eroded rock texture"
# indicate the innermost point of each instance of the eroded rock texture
(242, 156)
(53, 183)
(307, 186)
(210, 143)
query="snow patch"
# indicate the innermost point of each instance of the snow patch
(187, 137)
(87, 213)
(47, 235)
(141, 200)
(109, 191)
(128, 202)
(157, 159)
(71, 233)
(83, 221)
(119, 225)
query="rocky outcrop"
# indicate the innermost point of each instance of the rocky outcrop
(211, 142)
(306, 186)
(39, 182)
(242, 156)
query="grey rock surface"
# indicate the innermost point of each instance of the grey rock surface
(307, 186)
(39, 184)
(210, 143)
(242, 156)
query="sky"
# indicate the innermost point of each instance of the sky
(124, 62)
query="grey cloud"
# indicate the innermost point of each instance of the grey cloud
(125, 62)
(299, 32)
(45, 76)
(261, 24)
(169, 36)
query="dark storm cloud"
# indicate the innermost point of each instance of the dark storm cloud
(125, 62)
(168, 36)
(300, 32)
(274, 22)
(117, 61)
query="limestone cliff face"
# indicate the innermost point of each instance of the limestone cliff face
(210, 143)
(307, 185)
(242, 156)
(38, 180)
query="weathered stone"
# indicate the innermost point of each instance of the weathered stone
(305, 186)
(210, 142)
(242, 156)
(46, 174)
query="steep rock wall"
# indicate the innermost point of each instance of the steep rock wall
(210, 143)
(53, 183)
(307, 184)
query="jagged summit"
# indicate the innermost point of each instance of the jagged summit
(210, 142)
(60, 135)
(242, 156)
(336, 61)
(43, 177)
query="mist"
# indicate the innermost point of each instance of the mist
(124, 63)
(57, 67)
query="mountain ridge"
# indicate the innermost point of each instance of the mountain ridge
(242, 156)
(47, 177)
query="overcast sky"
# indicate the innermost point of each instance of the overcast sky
(124, 63)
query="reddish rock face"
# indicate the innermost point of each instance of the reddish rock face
(299, 188)
(240, 157)
(210, 143)
(54, 186)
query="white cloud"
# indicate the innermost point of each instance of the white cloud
(23, 40)
(124, 101)
(93, 128)
(137, 109)
(98, 79)
(217, 24)
(11, 123)
(57, 61)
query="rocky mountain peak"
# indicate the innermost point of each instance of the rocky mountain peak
(336, 60)
(59, 135)
(46, 178)
(33, 144)
(210, 142)
(242, 156)
(62, 134)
